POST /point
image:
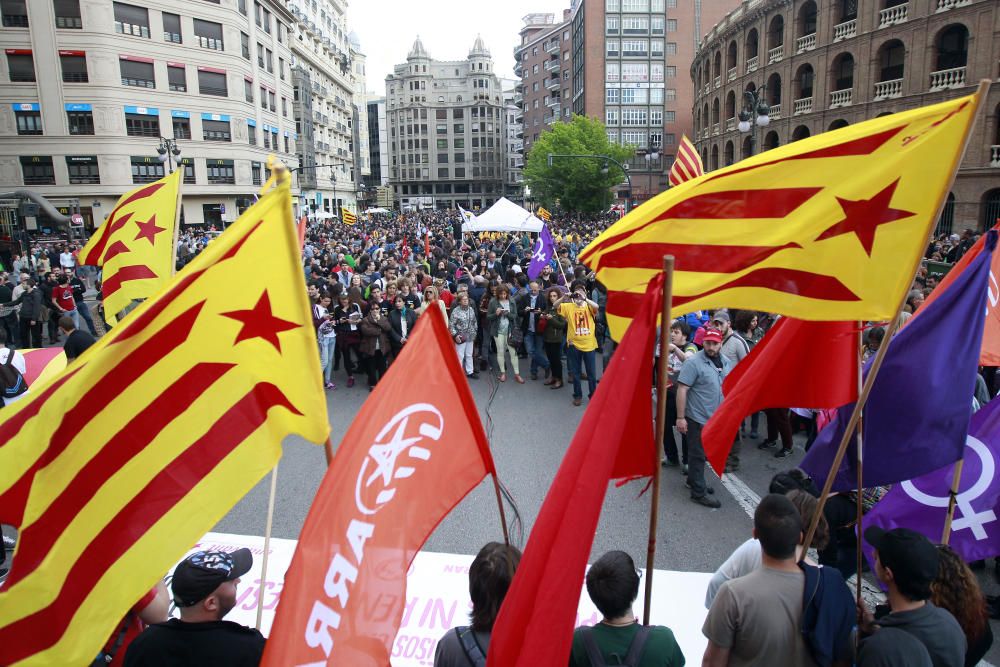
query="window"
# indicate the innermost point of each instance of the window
(267, 138)
(137, 73)
(251, 135)
(74, 66)
(671, 25)
(459, 158)
(286, 143)
(263, 97)
(141, 125)
(635, 47)
(442, 172)
(15, 13)
(245, 45)
(284, 106)
(635, 25)
(656, 72)
(271, 99)
(634, 116)
(611, 47)
(459, 128)
(83, 169)
(671, 49)
(281, 68)
(269, 60)
(67, 14)
(656, 117)
(459, 143)
(634, 138)
(656, 25)
(208, 35)
(248, 90)
(634, 95)
(656, 96)
(255, 173)
(635, 72)
(260, 55)
(671, 71)
(211, 214)
(146, 169)
(221, 172)
(611, 117)
(21, 67)
(80, 122)
(188, 164)
(611, 71)
(182, 128)
(131, 20)
(29, 122)
(612, 5)
(212, 83)
(37, 170)
(611, 96)
(459, 172)
(442, 157)
(215, 130)
(611, 25)
(242, 4)
(442, 128)
(656, 47)
(442, 144)
(177, 78)
(171, 28)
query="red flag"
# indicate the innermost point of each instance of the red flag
(405, 252)
(401, 467)
(614, 439)
(771, 376)
(427, 246)
(301, 229)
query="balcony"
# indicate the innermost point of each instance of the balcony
(552, 65)
(708, 89)
(804, 105)
(845, 30)
(776, 54)
(552, 47)
(893, 15)
(730, 124)
(518, 69)
(731, 74)
(717, 82)
(549, 118)
(807, 43)
(841, 98)
(887, 89)
(948, 78)
(715, 129)
(995, 156)
(553, 84)
(556, 107)
(752, 64)
(945, 5)
(775, 111)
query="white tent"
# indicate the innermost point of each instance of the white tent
(377, 210)
(504, 216)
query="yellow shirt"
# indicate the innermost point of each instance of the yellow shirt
(580, 325)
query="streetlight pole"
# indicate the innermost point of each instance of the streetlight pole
(606, 159)
(333, 177)
(754, 104)
(167, 152)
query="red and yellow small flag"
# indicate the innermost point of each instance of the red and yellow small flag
(544, 214)
(347, 217)
(135, 245)
(687, 163)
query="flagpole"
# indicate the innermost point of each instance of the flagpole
(661, 428)
(859, 506)
(267, 544)
(956, 478)
(328, 450)
(981, 91)
(503, 515)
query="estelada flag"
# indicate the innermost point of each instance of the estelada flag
(403, 464)
(135, 245)
(614, 440)
(687, 163)
(771, 377)
(826, 228)
(113, 469)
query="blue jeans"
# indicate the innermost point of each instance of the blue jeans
(534, 345)
(589, 359)
(326, 349)
(84, 311)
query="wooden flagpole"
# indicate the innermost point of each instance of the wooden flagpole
(866, 388)
(267, 544)
(328, 450)
(956, 479)
(859, 506)
(661, 428)
(503, 515)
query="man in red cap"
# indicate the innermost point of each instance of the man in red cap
(699, 394)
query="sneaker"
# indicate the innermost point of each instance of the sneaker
(330, 385)
(350, 382)
(754, 435)
(708, 487)
(782, 453)
(474, 375)
(667, 463)
(684, 469)
(767, 444)
(471, 376)
(9, 543)
(577, 401)
(534, 376)
(706, 501)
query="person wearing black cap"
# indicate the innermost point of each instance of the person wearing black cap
(204, 587)
(906, 562)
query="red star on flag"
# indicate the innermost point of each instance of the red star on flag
(260, 322)
(148, 230)
(865, 215)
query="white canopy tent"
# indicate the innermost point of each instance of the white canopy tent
(504, 216)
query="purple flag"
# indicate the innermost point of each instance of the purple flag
(917, 415)
(921, 504)
(542, 253)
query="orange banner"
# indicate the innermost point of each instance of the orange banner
(401, 467)
(990, 352)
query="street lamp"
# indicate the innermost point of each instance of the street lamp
(168, 152)
(606, 159)
(754, 103)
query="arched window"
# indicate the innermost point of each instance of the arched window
(728, 153)
(991, 209)
(807, 19)
(715, 157)
(837, 124)
(717, 69)
(891, 56)
(747, 147)
(774, 90)
(947, 219)
(952, 47)
(715, 112)
(731, 56)
(751, 44)
(804, 82)
(843, 72)
(731, 105)
(847, 10)
(801, 132)
(771, 140)
(776, 32)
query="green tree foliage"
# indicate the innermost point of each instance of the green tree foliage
(576, 184)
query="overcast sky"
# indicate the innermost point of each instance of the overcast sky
(447, 28)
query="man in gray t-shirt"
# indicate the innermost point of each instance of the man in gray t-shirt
(755, 619)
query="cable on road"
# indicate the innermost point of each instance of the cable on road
(516, 526)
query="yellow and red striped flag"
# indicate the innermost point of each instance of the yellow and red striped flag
(544, 214)
(113, 469)
(135, 245)
(687, 163)
(827, 228)
(347, 217)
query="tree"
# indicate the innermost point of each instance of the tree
(577, 184)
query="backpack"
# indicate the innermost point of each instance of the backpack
(12, 383)
(467, 640)
(828, 614)
(635, 649)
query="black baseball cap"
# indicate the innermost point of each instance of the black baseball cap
(910, 555)
(202, 572)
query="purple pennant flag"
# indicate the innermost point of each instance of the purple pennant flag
(542, 253)
(921, 504)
